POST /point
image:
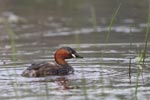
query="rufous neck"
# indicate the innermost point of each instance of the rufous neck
(61, 61)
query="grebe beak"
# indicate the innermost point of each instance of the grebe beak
(76, 56)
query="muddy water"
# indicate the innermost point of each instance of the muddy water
(31, 31)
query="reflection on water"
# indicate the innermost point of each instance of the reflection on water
(103, 74)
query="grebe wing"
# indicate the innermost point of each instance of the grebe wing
(38, 65)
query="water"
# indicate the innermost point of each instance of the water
(103, 73)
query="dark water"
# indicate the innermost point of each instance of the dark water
(31, 31)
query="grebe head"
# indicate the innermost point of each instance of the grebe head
(65, 53)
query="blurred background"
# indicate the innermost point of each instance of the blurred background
(88, 19)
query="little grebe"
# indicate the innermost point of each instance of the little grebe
(59, 67)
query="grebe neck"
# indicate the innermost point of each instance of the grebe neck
(61, 61)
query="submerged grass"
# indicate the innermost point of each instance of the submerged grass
(93, 17)
(142, 54)
(94, 23)
(14, 58)
(112, 22)
(110, 27)
(131, 41)
(147, 33)
(84, 87)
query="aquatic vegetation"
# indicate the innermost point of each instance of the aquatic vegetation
(14, 58)
(147, 33)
